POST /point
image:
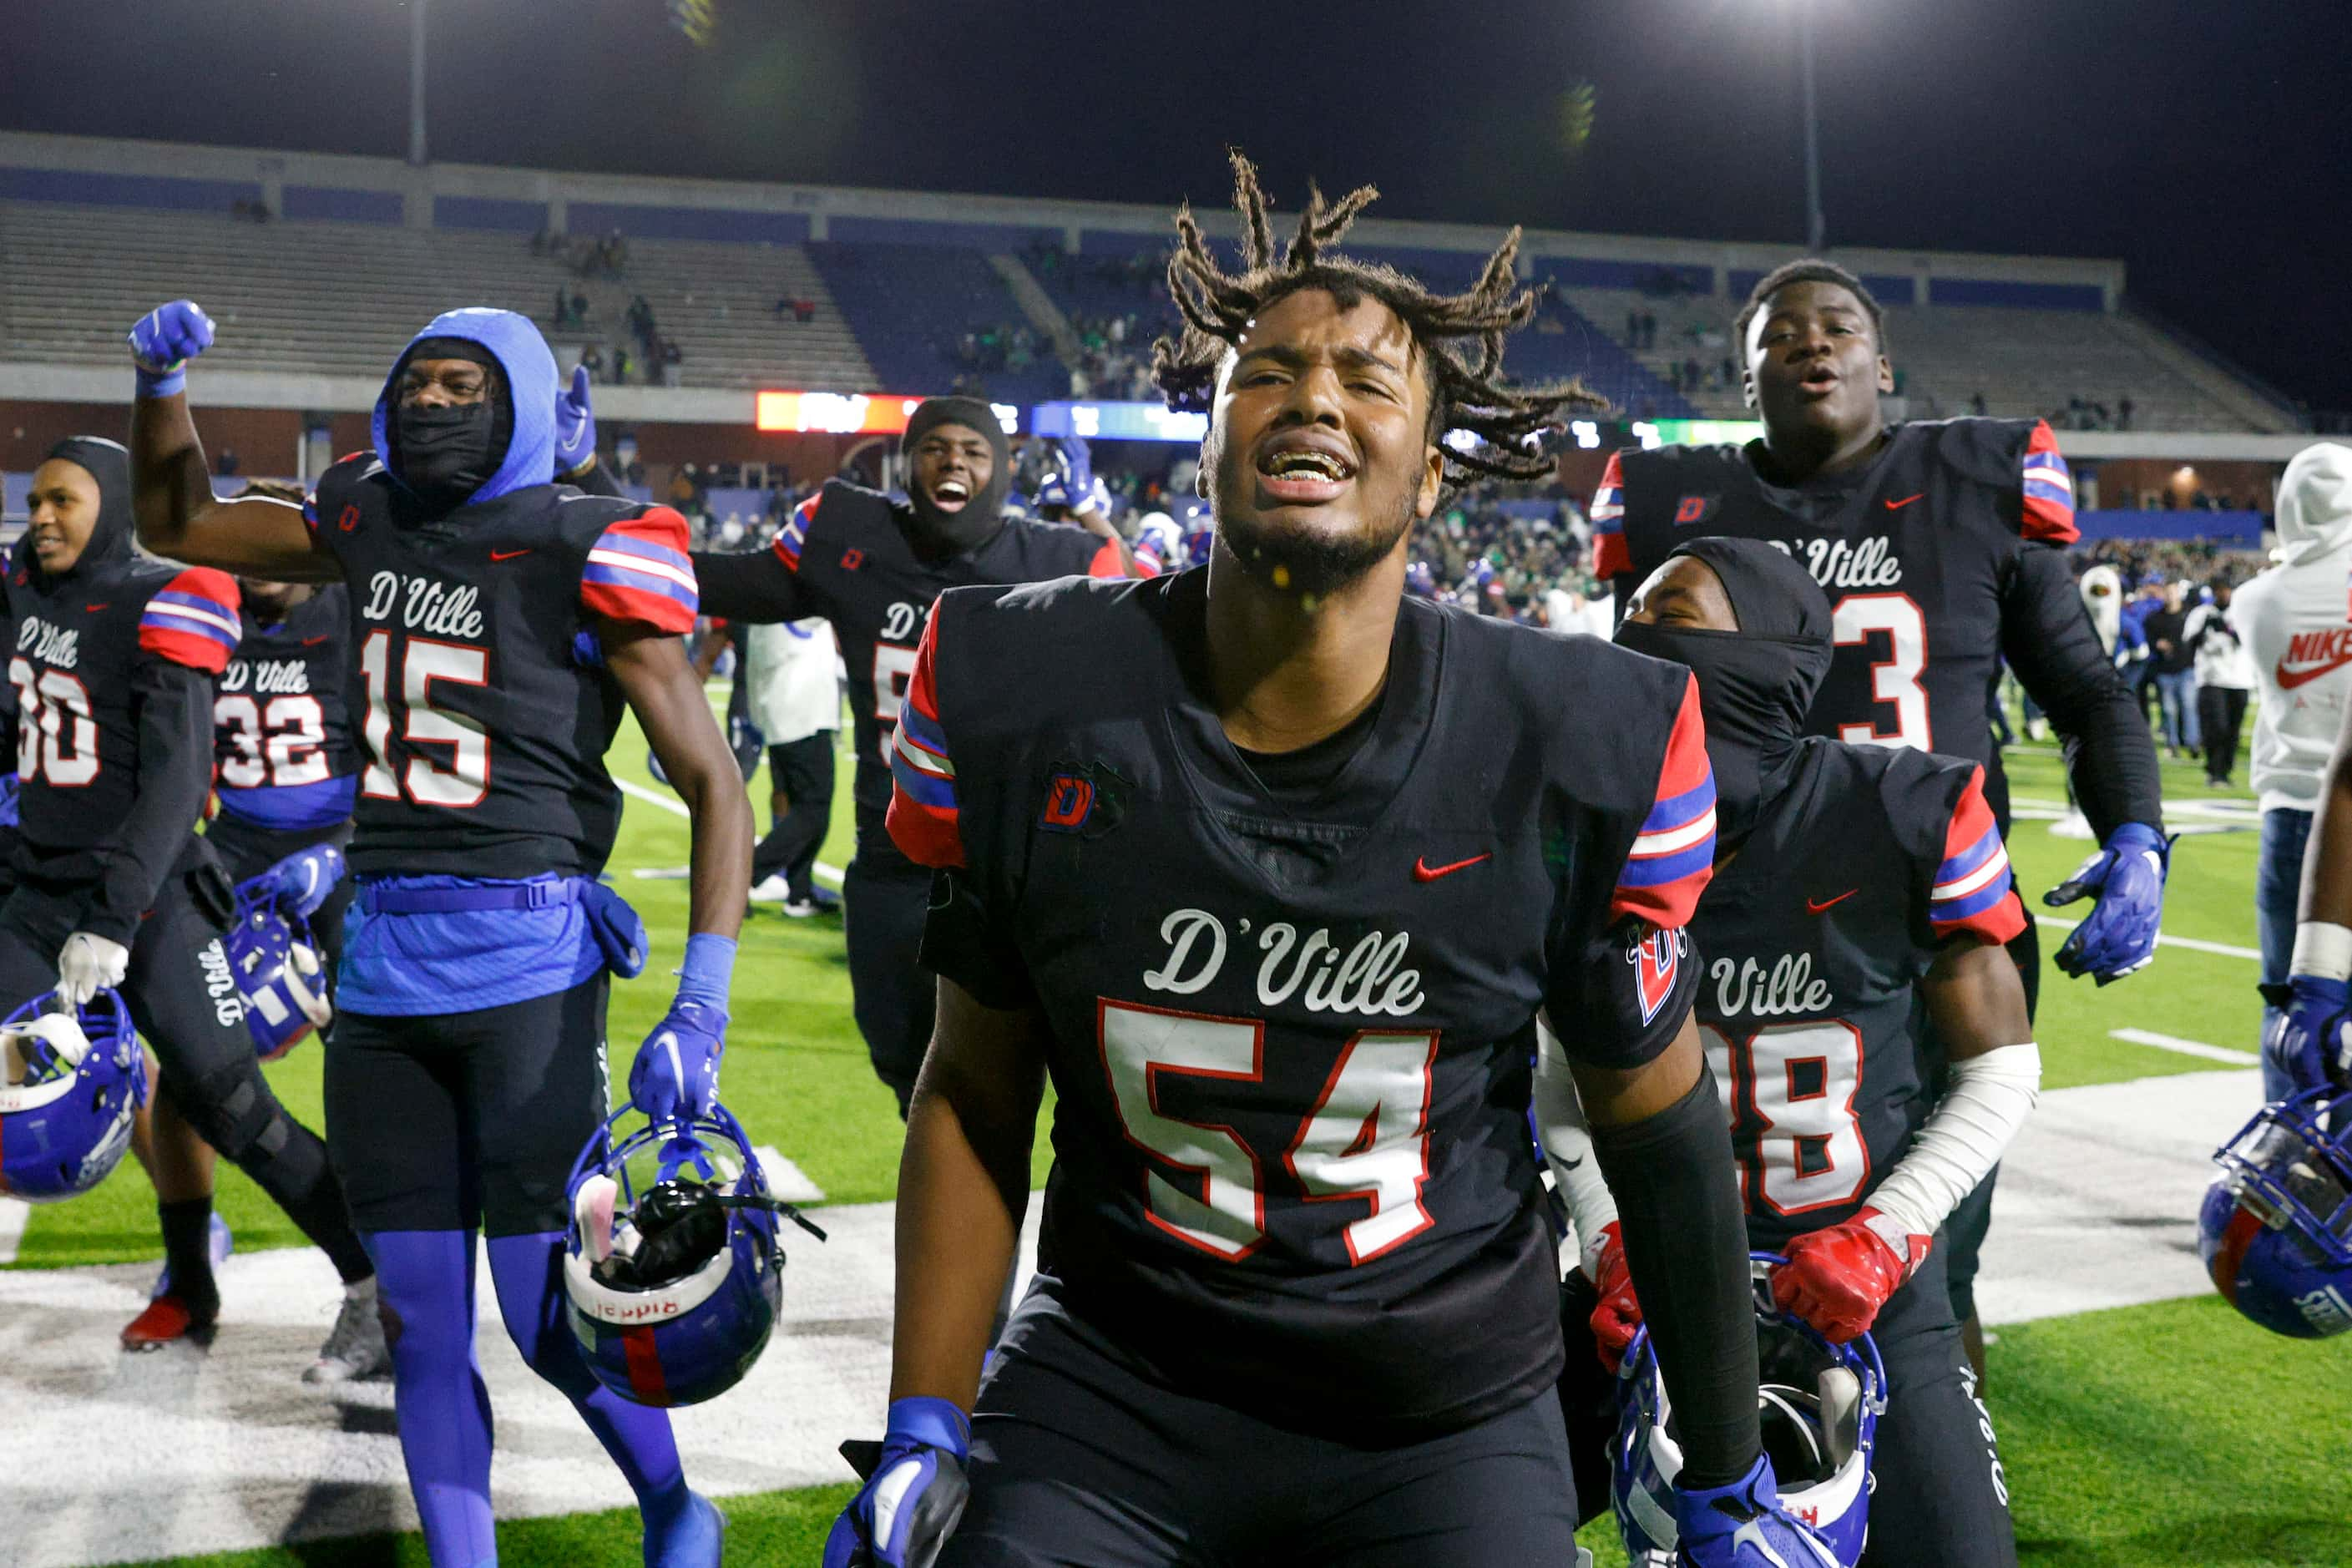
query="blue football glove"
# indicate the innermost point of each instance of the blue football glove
(575, 425)
(162, 343)
(2308, 1042)
(676, 1070)
(914, 1492)
(300, 883)
(1077, 467)
(1743, 1525)
(2127, 878)
(9, 785)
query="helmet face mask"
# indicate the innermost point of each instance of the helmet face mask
(274, 960)
(2275, 1229)
(1818, 1404)
(74, 1079)
(672, 1285)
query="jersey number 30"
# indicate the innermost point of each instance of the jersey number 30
(467, 777)
(1366, 1139)
(57, 740)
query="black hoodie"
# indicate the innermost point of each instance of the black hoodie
(120, 649)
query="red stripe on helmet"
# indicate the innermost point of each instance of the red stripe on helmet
(644, 1366)
(2236, 1236)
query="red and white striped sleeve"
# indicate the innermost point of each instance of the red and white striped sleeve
(638, 572)
(1673, 855)
(1974, 893)
(924, 819)
(2049, 509)
(1611, 557)
(193, 620)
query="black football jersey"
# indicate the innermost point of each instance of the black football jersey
(487, 709)
(76, 672)
(285, 748)
(853, 561)
(1292, 1044)
(1916, 550)
(1813, 939)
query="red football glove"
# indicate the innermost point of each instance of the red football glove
(1618, 1315)
(1837, 1278)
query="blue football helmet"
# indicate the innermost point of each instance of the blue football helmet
(2275, 1230)
(672, 1289)
(275, 961)
(1157, 532)
(1819, 1404)
(69, 1080)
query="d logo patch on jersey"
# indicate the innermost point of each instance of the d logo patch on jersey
(1691, 510)
(1083, 799)
(1656, 957)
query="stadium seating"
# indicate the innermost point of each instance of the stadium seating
(337, 299)
(909, 304)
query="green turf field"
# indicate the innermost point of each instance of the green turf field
(2172, 1434)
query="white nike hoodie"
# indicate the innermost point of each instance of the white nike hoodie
(2296, 620)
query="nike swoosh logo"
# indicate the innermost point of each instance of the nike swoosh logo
(507, 555)
(1906, 501)
(1829, 903)
(2291, 676)
(94, 609)
(314, 642)
(1422, 872)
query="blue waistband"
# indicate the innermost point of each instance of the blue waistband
(375, 899)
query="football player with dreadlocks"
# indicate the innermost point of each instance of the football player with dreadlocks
(1270, 868)
(1942, 546)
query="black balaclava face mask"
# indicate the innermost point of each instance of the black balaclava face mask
(1755, 685)
(971, 526)
(108, 463)
(444, 455)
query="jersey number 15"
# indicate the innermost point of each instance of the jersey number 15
(426, 781)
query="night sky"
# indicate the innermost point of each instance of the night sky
(2208, 144)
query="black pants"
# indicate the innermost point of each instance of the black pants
(246, 850)
(183, 1001)
(884, 896)
(455, 1120)
(1939, 1498)
(800, 772)
(1078, 1458)
(2220, 712)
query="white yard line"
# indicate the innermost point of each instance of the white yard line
(14, 1213)
(2186, 1047)
(2194, 944)
(786, 1180)
(677, 808)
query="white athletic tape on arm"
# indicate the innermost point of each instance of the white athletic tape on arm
(1567, 1146)
(1965, 1136)
(2323, 949)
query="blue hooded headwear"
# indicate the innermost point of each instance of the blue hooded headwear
(530, 369)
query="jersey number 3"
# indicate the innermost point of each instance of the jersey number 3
(1893, 680)
(1367, 1139)
(467, 777)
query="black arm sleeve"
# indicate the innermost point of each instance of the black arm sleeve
(1677, 1192)
(750, 586)
(599, 480)
(2049, 641)
(175, 755)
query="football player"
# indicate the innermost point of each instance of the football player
(113, 665)
(1851, 1161)
(1270, 869)
(285, 768)
(1942, 546)
(502, 624)
(871, 564)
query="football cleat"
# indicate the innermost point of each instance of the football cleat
(169, 1320)
(1820, 1405)
(355, 1347)
(671, 1289)
(69, 1082)
(275, 961)
(2275, 1230)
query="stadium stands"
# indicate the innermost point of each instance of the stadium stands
(909, 305)
(340, 299)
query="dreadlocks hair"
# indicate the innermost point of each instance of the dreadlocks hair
(1811, 270)
(1465, 393)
